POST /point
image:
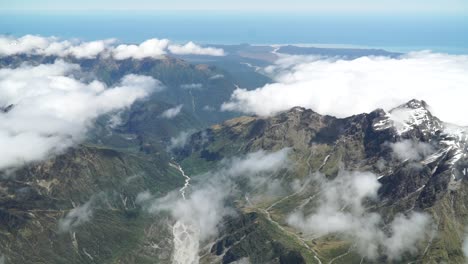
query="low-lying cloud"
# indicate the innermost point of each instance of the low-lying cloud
(193, 49)
(206, 202)
(217, 76)
(180, 140)
(411, 150)
(76, 217)
(172, 112)
(203, 209)
(49, 109)
(192, 86)
(345, 87)
(465, 246)
(52, 46)
(37, 45)
(199, 215)
(151, 48)
(341, 209)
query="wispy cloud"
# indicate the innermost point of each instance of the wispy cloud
(217, 76)
(411, 150)
(172, 112)
(205, 204)
(76, 217)
(341, 210)
(180, 140)
(465, 246)
(191, 86)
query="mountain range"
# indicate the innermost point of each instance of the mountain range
(203, 185)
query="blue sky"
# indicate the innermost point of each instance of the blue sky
(333, 6)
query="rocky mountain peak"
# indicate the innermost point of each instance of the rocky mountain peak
(6, 109)
(297, 109)
(414, 113)
(414, 104)
(411, 119)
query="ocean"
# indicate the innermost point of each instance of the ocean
(448, 34)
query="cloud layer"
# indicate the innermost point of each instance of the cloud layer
(193, 49)
(46, 109)
(345, 87)
(151, 48)
(36, 45)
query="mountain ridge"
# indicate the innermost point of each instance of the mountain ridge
(415, 164)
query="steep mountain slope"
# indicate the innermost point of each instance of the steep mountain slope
(420, 162)
(143, 127)
(81, 207)
(199, 88)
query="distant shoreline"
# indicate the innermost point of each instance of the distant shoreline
(397, 34)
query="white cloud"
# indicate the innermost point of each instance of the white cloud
(151, 48)
(180, 140)
(411, 150)
(25, 44)
(193, 49)
(55, 47)
(203, 209)
(37, 45)
(345, 87)
(172, 112)
(189, 86)
(217, 76)
(143, 197)
(208, 108)
(341, 210)
(115, 120)
(256, 162)
(465, 247)
(407, 231)
(52, 110)
(89, 50)
(76, 217)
